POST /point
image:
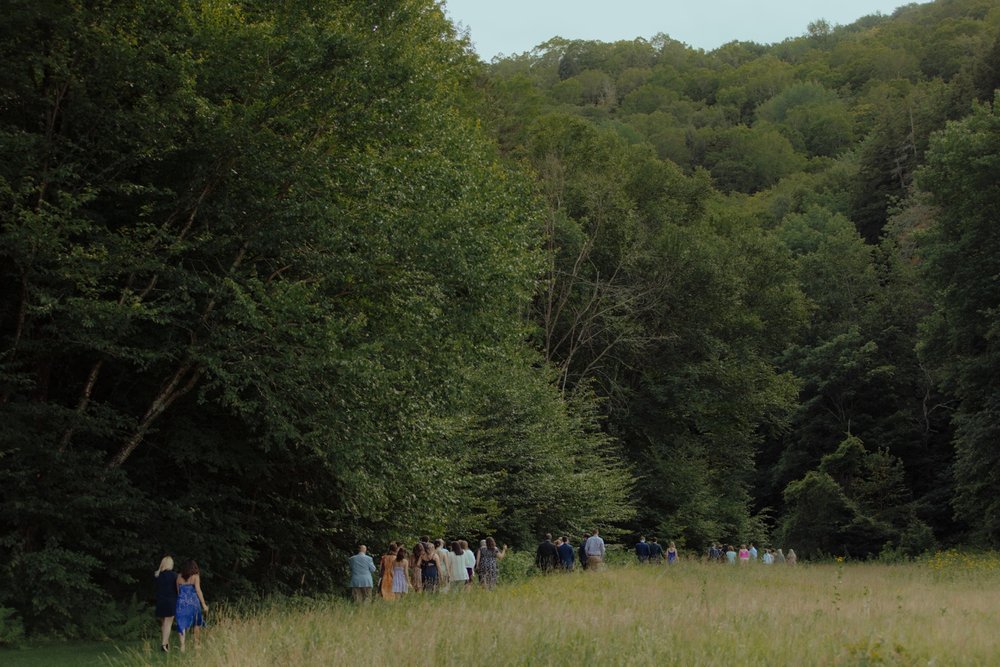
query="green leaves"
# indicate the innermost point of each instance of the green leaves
(854, 504)
(262, 273)
(960, 251)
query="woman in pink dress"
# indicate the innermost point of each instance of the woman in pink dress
(744, 554)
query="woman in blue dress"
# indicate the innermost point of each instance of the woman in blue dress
(430, 569)
(190, 602)
(166, 599)
(671, 554)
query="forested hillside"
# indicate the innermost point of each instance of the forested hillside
(279, 278)
(766, 260)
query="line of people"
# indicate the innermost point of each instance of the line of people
(436, 566)
(745, 555)
(431, 566)
(652, 551)
(559, 555)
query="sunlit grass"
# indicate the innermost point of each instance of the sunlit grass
(690, 614)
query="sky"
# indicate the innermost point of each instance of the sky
(515, 26)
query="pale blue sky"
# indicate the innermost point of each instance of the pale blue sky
(515, 26)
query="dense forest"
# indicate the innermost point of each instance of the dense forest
(276, 278)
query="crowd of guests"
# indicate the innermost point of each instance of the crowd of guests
(179, 597)
(430, 566)
(729, 554)
(435, 566)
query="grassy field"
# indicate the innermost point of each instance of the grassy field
(943, 612)
(69, 654)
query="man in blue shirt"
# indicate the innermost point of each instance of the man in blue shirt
(566, 554)
(642, 550)
(362, 568)
(594, 546)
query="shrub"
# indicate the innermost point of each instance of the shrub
(11, 628)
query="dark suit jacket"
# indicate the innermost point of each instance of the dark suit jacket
(566, 555)
(547, 556)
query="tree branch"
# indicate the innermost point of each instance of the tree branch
(22, 316)
(164, 399)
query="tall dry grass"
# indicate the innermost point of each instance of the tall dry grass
(689, 614)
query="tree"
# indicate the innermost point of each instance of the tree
(854, 504)
(960, 253)
(745, 159)
(257, 261)
(813, 118)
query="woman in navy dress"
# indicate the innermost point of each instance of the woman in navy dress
(430, 569)
(166, 599)
(190, 602)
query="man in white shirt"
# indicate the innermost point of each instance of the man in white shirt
(594, 548)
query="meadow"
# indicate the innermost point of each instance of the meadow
(942, 611)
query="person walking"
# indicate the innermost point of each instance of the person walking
(595, 552)
(400, 574)
(767, 558)
(547, 555)
(792, 559)
(566, 554)
(753, 552)
(386, 566)
(488, 560)
(642, 549)
(430, 569)
(671, 554)
(166, 599)
(457, 574)
(731, 555)
(362, 567)
(582, 551)
(190, 603)
(779, 557)
(744, 554)
(415, 557)
(444, 573)
(482, 545)
(655, 551)
(469, 560)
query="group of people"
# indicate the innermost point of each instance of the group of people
(437, 566)
(745, 555)
(179, 596)
(561, 556)
(430, 566)
(652, 551)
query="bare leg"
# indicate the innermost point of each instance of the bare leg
(168, 623)
(197, 637)
(182, 635)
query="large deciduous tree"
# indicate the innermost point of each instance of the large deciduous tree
(257, 261)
